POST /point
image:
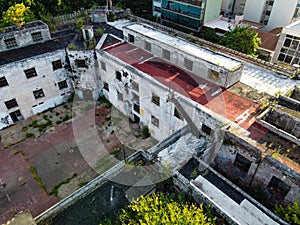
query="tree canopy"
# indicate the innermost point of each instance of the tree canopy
(17, 14)
(163, 209)
(242, 39)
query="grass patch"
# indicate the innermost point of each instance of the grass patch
(82, 183)
(54, 190)
(37, 178)
(29, 135)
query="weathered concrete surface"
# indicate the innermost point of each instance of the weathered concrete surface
(24, 218)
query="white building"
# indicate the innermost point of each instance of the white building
(273, 13)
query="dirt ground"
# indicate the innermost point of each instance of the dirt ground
(49, 156)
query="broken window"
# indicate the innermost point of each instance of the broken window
(11, 43)
(118, 76)
(103, 66)
(166, 54)
(80, 62)
(148, 46)
(206, 129)
(125, 74)
(154, 121)
(62, 84)
(188, 64)
(11, 103)
(30, 73)
(135, 86)
(131, 38)
(213, 75)
(3, 82)
(242, 162)
(155, 99)
(278, 188)
(16, 116)
(37, 36)
(105, 86)
(56, 64)
(38, 93)
(177, 114)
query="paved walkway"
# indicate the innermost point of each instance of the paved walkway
(38, 171)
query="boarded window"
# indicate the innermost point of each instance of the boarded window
(166, 54)
(188, 64)
(135, 86)
(154, 121)
(103, 66)
(3, 82)
(80, 62)
(120, 96)
(56, 64)
(242, 162)
(37, 36)
(118, 76)
(30, 73)
(11, 103)
(148, 46)
(105, 86)
(206, 129)
(131, 38)
(155, 99)
(62, 84)
(11, 43)
(38, 93)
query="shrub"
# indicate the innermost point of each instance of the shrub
(29, 135)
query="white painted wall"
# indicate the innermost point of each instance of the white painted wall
(254, 9)
(22, 88)
(282, 13)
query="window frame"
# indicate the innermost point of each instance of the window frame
(39, 93)
(62, 84)
(12, 103)
(155, 99)
(154, 121)
(57, 64)
(3, 82)
(31, 72)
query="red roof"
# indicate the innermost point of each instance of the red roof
(206, 93)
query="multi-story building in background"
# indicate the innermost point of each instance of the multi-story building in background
(187, 15)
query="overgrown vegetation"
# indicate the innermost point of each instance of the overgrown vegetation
(290, 213)
(54, 190)
(160, 208)
(37, 178)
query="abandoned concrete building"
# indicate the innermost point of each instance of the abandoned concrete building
(166, 83)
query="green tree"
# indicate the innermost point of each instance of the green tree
(290, 214)
(209, 34)
(242, 39)
(17, 14)
(163, 209)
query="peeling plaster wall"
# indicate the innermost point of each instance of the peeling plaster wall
(22, 88)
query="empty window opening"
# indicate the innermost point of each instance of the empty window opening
(62, 84)
(37, 36)
(206, 129)
(242, 162)
(3, 82)
(154, 121)
(11, 103)
(131, 38)
(177, 114)
(118, 76)
(278, 188)
(16, 116)
(80, 62)
(155, 99)
(56, 64)
(105, 86)
(213, 75)
(30, 73)
(11, 43)
(136, 107)
(38, 93)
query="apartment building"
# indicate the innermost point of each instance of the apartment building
(186, 15)
(288, 49)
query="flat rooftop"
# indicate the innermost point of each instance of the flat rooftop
(219, 100)
(187, 47)
(34, 24)
(294, 26)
